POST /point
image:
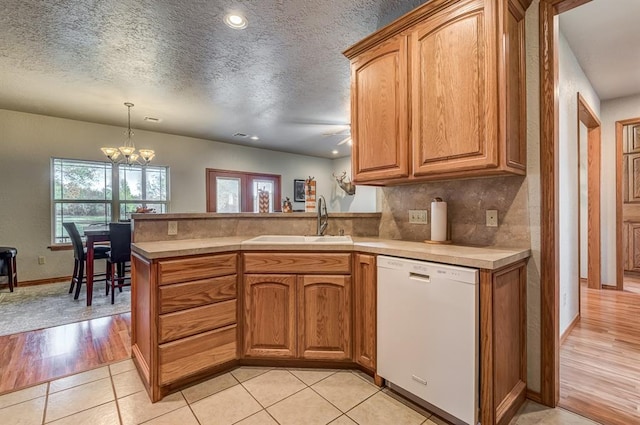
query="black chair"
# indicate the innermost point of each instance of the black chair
(119, 256)
(8, 265)
(80, 257)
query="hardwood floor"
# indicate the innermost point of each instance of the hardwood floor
(600, 359)
(29, 358)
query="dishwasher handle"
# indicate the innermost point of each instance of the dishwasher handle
(421, 277)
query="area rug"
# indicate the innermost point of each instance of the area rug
(43, 306)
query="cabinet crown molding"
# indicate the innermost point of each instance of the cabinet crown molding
(406, 21)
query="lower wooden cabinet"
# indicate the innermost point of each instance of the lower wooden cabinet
(365, 289)
(324, 317)
(184, 318)
(320, 305)
(503, 347)
(301, 315)
(269, 315)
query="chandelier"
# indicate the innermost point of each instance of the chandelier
(128, 150)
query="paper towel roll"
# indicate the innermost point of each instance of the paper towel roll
(438, 221)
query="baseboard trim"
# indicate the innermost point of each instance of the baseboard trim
(39, 281)
(567, 331)
(534, 396)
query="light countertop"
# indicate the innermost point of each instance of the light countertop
(470, 256)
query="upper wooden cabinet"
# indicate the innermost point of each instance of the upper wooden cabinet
(440, 94)
(380, 107)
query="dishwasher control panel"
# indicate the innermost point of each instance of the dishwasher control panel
(446, 271)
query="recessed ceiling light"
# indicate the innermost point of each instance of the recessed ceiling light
(235, 21)
(335, 152)
(254, 138)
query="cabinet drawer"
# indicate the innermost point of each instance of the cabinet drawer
(186, 269)
(179, 359)
(306, 263)
(195, 320)
(181, 296)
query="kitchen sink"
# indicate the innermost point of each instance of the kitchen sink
(289, 239)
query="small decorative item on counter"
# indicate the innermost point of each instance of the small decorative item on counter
(263, 200)
(310, 195)
(143, 210)
(286, 206)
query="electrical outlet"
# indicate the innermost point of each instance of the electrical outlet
(42, 260)
(418, 217)
(492, 218)
(172, 228)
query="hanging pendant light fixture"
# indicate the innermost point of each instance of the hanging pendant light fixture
(128, 150)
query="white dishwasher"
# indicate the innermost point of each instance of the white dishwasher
(428, 334)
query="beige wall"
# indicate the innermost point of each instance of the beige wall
(571, 81)
(28, 142)
(365, 198)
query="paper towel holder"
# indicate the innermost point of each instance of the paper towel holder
(448, 240)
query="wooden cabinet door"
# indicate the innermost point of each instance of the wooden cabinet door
(380, 112)
(324, 317)
(454, 88)
(633, 246)
(269, 315)
(515, 137)
(364, 288)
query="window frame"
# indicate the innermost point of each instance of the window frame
(246, 183)
(114, 203)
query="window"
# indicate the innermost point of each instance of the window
(91, 192)
(237, 191)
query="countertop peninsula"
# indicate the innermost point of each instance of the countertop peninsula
(489, 258)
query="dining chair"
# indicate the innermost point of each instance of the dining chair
(119, 256)
(80, 257)
(8, 266)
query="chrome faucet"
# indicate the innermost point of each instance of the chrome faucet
(323, 216)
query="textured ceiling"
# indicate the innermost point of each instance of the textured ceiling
(605, 37)
(283, 78)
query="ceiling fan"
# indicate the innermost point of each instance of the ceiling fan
(344, 134)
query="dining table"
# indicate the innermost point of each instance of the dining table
(95, 233)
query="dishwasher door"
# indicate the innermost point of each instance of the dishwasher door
(428, 333)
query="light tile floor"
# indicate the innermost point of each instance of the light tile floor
(245, 396)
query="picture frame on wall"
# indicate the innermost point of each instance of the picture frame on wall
(298, 190)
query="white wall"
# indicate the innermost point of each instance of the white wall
(365, 198)
(612, 111)
(28, 141)
(571, 81)
(584, 205)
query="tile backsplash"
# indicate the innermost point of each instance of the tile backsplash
(467, 202)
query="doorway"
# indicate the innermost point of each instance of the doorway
(549, 229)
(627, 200)
(588, 118)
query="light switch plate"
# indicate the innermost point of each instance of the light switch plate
(418, 217)
(172, 228)
(492, 218)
